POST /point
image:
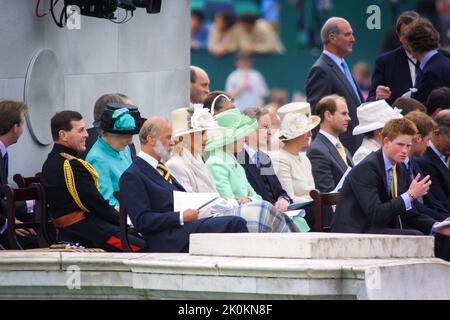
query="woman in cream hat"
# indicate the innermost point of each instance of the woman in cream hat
(111, 155)
(291, 164)
(187, 166)
(372, 117)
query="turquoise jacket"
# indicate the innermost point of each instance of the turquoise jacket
(110, 164)
(229, 176)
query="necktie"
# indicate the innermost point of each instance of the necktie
(341, 150)
(350, 80)
(447, 161)
(394, 190)
(162, 169)
(257, 160)
(5, 164)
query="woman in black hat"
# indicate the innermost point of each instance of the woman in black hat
(111, 155)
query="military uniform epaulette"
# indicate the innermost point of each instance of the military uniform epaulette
(69, 177)
(67, 156)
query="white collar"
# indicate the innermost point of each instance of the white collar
(2, 148)
(334, 141)
(148, 158)
(335, 58)
(251, 152)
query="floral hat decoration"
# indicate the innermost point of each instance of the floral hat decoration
(190, 120)
(296, 121)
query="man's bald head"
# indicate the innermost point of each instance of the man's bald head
(152, 127)
(337, 36)
(199, 85)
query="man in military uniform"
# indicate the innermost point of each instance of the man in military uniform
(76, 207)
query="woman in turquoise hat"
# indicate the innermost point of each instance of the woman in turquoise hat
(111, 154)
(229, 176)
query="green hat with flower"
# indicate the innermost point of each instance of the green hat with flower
(237, 126)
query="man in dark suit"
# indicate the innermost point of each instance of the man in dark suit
(423, 39)
(12, 115)
(75, 204)
(427, 204)
(329, 159)
(257, 164)
(147, 190)
(330, 74)
(395, 71)
(435, 161)
(376, 197)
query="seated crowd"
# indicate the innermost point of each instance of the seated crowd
(261, 163)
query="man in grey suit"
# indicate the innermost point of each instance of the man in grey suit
(329, 158)
(330, 74)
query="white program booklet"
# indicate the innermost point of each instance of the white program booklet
(195, 201)
(442, 224)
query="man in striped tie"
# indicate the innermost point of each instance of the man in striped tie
(147, 188)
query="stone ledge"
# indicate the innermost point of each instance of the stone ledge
(312, 246)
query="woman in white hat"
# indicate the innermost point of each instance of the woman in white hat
(291, 164)
(372, 117)
(190, 128)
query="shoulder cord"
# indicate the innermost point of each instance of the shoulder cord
(70, 181)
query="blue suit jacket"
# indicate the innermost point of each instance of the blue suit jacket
(364, 205)
(430, 206)
(434, 75)
(391, 70)
(148, 198)
(431, 165)
(256, 180)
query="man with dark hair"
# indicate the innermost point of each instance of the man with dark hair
(199, 86)
(435, 161)
(329, 158)
(438, 100)
(408, 105)
(78, 210)
(423, 39)
(427, 204)
(330, 74)
(12, 115)
(395, 71)
(377, 198)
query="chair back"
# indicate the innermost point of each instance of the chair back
(123, 224)
(320, 201)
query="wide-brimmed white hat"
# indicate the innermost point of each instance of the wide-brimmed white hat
(296, 120)
(374, 115)
(190, 120)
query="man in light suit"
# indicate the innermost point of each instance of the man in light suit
(435, 161)
(329, 159)
(330, 74)
(147, 187)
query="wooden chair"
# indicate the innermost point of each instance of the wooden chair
(123, 224)
(23, 182)
(33, 192)
(321, 200)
